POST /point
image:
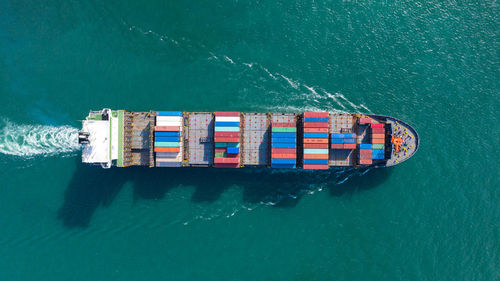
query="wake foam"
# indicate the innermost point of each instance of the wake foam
(37, 140)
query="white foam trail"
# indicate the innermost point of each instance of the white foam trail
(37, 140)
(295, 85)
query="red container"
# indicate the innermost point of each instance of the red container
(316, 130)
(349, 146)
(167, 149)
(232, 160)
(365, 161)
(365, 151)
(362, 156)
(378, 136)
(315, 145)
(316, 114)
(316, 125)
(284, 156)
(365, 120)
(220, 149)
(315, 156)
(318, 167)
(378, 130)
(227, 139)
(284, 150)
(227, 113)
(167, 128)
(281, 125)
(227, 134)
(337, 146)
(316, 141)
(222, 165)
(379, 125)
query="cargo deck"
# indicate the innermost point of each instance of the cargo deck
(309, 140)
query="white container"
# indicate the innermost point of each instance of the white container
(227, 119)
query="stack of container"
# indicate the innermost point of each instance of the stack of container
(227, 140)
(365, 154)
(168, 138)
(343, 141)
(378, 141)
(316, 140)
(284, 145)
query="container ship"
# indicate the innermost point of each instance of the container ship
(308, 140)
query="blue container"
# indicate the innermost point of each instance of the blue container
(316, 161)
(337, 140)
(169, 113)
(316, 135)
(176, 139)
(284, 145)
(365, 146)
(284, 135)
(233, 150)
(337, 136)
(287, 140)
(227, 124)
(168, 164)
(349, 135)
(283, 161)
(349, 140)
(283, 166)
(167, 134)
(316, 119)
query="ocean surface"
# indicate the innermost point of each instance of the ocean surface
(434, 64)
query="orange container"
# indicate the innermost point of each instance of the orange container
(316, 125)
(167, 128)
(167, 149)
(316, 141)
(315, 156)
(337, 146)
(378, 136)
(315, 145)
(284, 155)
(316, 130)
(316, 114)
(349, 145)
(218, 139)
(318, 167)
(378, 141)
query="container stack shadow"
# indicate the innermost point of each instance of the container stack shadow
(93, 187)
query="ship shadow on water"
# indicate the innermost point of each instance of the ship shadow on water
(93, 187)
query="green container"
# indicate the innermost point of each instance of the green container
(167, 144)
(284, 129)
(227, 144)
(378, 146)
(220, 154)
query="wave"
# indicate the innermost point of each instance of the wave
(37, 140)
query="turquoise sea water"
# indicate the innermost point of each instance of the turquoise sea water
(434, 64)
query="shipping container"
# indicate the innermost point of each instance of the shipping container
(365, 146)
(283, 166)
(168, 113)
(226, 124)
(337, 141)
(168, 123)
(233, 150)
(167, 134)
(287, 156)
(316, 135)
(283, 161)
(227, 165)
(365, 120)
(167, 139)
(316, 167)
(315, 145)
(220, 149)
(167, 149)
(284, 135)
(378, 131)
(227, 144)
(316, 114)
(378, 141)
(167, 128)
(315, 130)
(316, 141)
(168, 154)
(169, 119)
(349, 140)
(315, 156)
(349, 146)
(284, 145)
(227, 134)
(220, 139)
(316, 119)
(227, 129)
(316, 161)
(227, 113)
(167, 144)
(169, 164)
(378, 146)
(284, 129)
(316, 125)
(378, 136)
(283, 150)
(378, 125)
(283, 140)
(232, 160)
(220, 154)
(315, 151)
(337, 146)
(227, 119)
